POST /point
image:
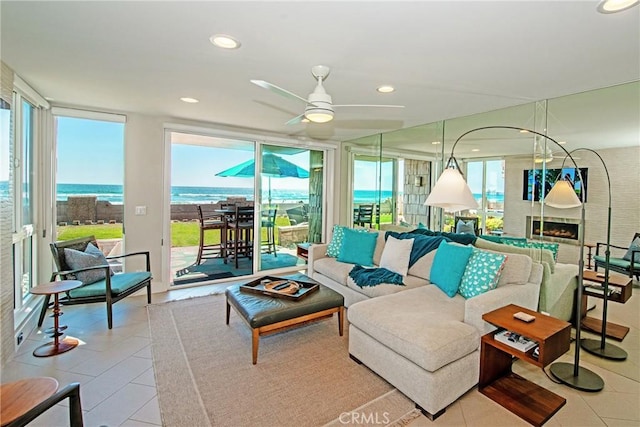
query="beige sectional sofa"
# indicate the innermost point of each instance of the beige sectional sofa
(420, 340)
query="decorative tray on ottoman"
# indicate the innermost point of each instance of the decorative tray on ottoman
(280, 287)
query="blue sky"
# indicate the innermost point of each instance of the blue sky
(90, 151)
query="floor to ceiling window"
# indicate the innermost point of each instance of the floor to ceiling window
(90, 178)
(22, 158)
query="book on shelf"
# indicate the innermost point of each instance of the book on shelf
(514, 340)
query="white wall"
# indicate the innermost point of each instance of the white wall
(624, 170)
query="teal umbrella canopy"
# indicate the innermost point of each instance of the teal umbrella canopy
(272, 166)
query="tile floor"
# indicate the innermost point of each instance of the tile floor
(114, 368)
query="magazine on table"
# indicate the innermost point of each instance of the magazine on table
(514, 340)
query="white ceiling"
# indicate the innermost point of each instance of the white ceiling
(446, 59)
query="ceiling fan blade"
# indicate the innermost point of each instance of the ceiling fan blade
(295, 120)
(369, 105)
(278, 90)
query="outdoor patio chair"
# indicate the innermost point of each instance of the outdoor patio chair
(269, 223)
(209, 220)
(628, 264)
(77, 259)
(239, 242)
(298, 215)
(365, 215)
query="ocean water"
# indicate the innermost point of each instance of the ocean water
(185, 194)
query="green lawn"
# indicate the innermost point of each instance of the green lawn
(182, 233)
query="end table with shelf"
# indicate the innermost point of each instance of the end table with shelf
(529, 401)
(621, 290)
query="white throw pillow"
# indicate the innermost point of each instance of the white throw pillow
(396, 254)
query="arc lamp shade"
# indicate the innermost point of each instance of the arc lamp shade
(451, 193)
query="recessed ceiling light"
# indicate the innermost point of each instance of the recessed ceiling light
(189, 100)
(436, 142)
(562, 142)
(613, 6)
(524, 131)
(475, 150)
(385, 89)
(224, 41)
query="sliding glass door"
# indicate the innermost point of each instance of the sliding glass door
(211, 176)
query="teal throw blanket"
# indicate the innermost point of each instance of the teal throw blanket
(463, 239)
(374, 276)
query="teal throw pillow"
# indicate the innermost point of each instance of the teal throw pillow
(635, 246)
(448, 267)
(91, 257)
(357, 247)
(482, 273)
(421, 226)
(333, 248)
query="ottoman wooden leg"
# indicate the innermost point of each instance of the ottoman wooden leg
(254, 345)
(228, 311)
(341, 320)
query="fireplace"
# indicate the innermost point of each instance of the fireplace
(561, 230)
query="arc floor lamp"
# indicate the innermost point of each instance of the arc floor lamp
(452, 193)
(601, 347)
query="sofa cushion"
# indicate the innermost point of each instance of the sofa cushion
(448, 267)
(482, 273)
(357, 247)
(421, 324)
(395, 256)
(333, 269)
(386, 288)
(380, 244)
(422, 267)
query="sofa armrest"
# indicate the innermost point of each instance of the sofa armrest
(522, 295)
(316, 251)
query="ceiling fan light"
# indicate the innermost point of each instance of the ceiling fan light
(613, 6)
(318, 115)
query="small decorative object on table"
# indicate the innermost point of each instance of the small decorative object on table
(280, 287)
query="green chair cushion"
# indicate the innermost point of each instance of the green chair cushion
(119, 283)
(618, 262)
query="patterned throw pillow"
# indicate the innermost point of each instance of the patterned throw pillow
(91, 257)
(333, 248)
(634, 246)
(482, 273)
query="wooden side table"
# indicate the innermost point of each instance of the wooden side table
(529, 401)
(20, 397)
(622, 286)
(57, 346)
(302, 251)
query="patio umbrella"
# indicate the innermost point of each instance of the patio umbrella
(272, 167)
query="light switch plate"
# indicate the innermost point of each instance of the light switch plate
(141, 210)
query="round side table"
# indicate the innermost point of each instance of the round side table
(57, 346)
(20, 397)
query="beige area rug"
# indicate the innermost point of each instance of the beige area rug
(304, 376)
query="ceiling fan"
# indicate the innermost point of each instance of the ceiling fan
(319, 105)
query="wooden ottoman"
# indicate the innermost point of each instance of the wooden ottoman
(266, 314)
